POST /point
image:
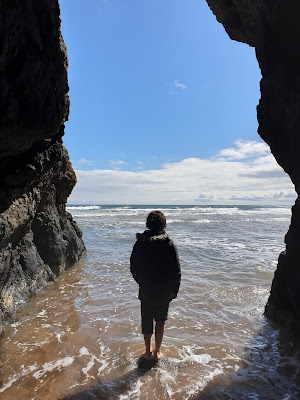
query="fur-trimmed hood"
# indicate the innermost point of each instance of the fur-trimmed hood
(148, 236)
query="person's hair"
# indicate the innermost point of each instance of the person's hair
(156, 221)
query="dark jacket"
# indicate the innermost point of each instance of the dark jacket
(155, 266)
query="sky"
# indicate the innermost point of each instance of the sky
(163, 107)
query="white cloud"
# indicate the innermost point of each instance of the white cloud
(118, 162)
(284, 194)
(176, 87)
(180, 85)
(244, 149)
(244, 174)
(86, 162)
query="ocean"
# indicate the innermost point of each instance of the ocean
(81, 335)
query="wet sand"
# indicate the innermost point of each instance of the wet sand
(80, 338)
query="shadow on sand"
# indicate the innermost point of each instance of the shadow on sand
(113, 389)
(269, 370)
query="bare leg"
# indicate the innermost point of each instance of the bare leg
(148, 354)
(159, 334)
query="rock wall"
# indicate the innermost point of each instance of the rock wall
(38, 238)
(273, 28)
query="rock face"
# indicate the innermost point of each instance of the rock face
(273, 27)
(38, 238)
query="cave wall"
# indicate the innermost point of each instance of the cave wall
(273, 28)
(38, 237)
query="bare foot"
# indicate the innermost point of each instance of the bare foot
(157, 355)
(147, 356)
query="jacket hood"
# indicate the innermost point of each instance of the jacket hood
(148, 236)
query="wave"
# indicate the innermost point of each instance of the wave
(85, 215)
(192, 214)
(83, 207)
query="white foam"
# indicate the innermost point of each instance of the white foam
(198, 325)
(9, 383)
(58, 335)
(29, 368)
(42, 313)
(187, 355)
(86, 215)
(84, 352)
(123, 208)
(48, 367)
(171, 212)
(14, 378)
(90, 365)
(83, 207)
(134, 393)
(212, 374)
(15, 324)
(231, 357)
(201, 383)
(103, 366)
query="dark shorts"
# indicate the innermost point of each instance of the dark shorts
(151, 312)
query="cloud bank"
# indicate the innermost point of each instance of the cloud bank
(247, 173)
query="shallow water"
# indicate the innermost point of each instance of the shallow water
(81, 335)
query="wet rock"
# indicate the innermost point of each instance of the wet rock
(273, 28)
(38, 237)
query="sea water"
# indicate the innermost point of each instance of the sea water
(80, 337)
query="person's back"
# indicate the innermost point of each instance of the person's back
(154, 264)
(155, 267)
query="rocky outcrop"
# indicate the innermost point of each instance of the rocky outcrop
(38, 238)
(238, 18)
(273, 28)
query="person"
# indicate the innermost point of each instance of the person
(154, 265)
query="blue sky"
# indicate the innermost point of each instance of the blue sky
(152, 85)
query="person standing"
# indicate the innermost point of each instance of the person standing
(155, 266)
